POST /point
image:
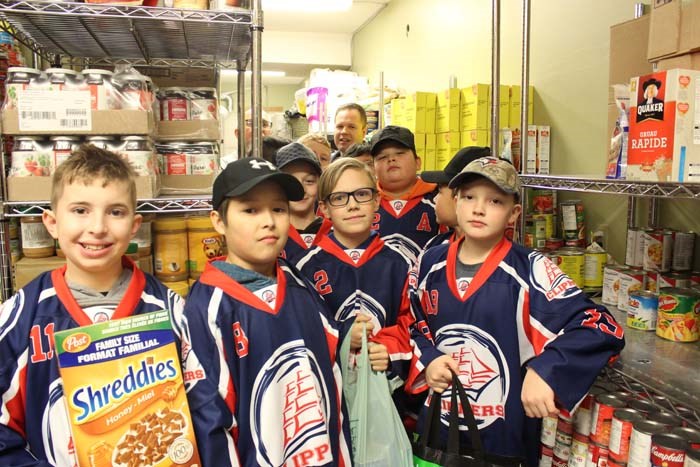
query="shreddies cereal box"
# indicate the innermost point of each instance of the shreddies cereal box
(664, 132)
(123, 388)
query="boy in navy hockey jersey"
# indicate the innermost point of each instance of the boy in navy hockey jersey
(519, 333)
(259, 349)
(406, 208)
(305, 227)
(93, 203)
(445, 210)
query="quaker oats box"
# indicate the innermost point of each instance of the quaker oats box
(664, 133)
(124, 392)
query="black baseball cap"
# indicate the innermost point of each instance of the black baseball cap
(393, 133)
(459, 161)
(241, 176)
(295, 152)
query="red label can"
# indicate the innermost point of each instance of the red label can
(691, 435)
(602, 417)
(620, 433)
(668, 450)
(546, 456)
(176, 164)
(597, 456)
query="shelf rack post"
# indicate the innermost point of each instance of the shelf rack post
(256, 78)
(524, 85)
(240, 108)
(495, 73)
(380, 113)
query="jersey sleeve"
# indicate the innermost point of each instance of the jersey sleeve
(14, 348)
(210, 390)
(565, 337)
(397, 337)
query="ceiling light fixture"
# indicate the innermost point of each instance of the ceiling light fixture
(306, 6)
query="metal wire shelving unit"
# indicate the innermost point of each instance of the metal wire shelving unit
(613, 187)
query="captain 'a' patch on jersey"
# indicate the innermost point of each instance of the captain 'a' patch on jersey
(289, 394)
(483, 372)
(547, 278)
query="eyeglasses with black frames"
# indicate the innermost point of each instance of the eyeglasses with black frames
(341, 198)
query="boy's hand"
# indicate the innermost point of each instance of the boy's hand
(378, 356)
(356, 331)
(537, 396)
(438, 374)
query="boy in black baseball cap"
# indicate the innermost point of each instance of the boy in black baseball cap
(445, 208)
(249, 317)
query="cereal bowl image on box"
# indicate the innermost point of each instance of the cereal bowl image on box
(124, 393)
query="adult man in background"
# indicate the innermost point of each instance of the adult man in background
(266, 129)
(350, 127)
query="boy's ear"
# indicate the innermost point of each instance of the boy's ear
(515, 213)
(49, 219)
(419, 163)
(324, 209)
(138, 218)
(217, 222)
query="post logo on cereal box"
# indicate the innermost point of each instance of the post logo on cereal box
(76, 342)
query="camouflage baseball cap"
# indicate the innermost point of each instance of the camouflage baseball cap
(499, 171)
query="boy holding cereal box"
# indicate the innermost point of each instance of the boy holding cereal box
(259, 346)
(93, 204)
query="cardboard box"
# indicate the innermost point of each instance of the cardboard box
(689, 61)
(447, 144)
(419, 112)
(448, 115)
(664, 136)
(543, 142)
(419, 139)
(430, 160)
(397, 112)
(674, 28)
(531, 151)
(190, 130)
(29, 188)
(504, 106)
(104, 122)
(476, 138)
(26, 269)
(515, 106)
(475, 107)
(628, 53)
(186, 184)
(142, 417)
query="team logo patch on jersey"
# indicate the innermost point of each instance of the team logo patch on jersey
(547, 278)
(290, 408)
(483, 371)
(308, 239)
(360, 302)
(462, 286)
(355, 255)
(397, 205)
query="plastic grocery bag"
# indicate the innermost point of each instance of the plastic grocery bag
(378, 436)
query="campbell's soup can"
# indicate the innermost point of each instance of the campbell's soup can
(642, 310)
(562, 448)
(601, 418)
(546, 456)
(679, 280)
(613, 463)
(579, 451)
(559, 462)
(584, 412)
(632, 257)
(667, 418)
(640, 442)
(683, 250)
(611, 284)
(572, 261)
(668, 450)
(642, 405)
(549, 431)
(678, 315)
(658, 246)
(691, 435)
(692, 457)
(597, 455)
(621, 431)
(593, 265)
(631, 281)
(684, 412)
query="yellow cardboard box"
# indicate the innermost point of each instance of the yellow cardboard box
(419, 139)
(446, 146)
(397, 112)
(419, 112)
(429, 161)
(504, 106)
(514, 117)
(476, 138)
(448, 116)
(475, 107)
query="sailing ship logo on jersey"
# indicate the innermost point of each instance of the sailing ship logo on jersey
(551, 281)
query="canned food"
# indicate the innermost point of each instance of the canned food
(99, 83)
(683, 249)
(679, 280)
(562, 447)
(668, 450)
(583, 414)
(170, 249)
(174, 158)
(631, 281)
(684, 412)
(611, 284)
(661, 400)
(549, 431)
(642, 310)
(612, 463)
(594, 262)
(30, 157)
(579, 451)
(657, 250)
(203, 104)
(620, 432)
(63, 79)
(203, 244)
(597, 455)
(63, 147)
(559, 462)
(36, 240)
(572, 220)
(603, 410)
(548, 220)
(554, 243)
(175, 104)
(546, 456)
(667, 418)
(543, 201)
(692, 458)
(643, 406)
(203, 159)
(695, 278)
(691, 435)
(640, 441)
(571, 261)
(678, 315)
(18, 79)
(138, 150)
(632, 257)
(652, 282)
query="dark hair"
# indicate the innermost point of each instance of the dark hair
(270, 146)
(353, 106)
(358, 149)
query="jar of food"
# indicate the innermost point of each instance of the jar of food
(203, 158)
(15, 247)
(18, 79)
(63, 79)
(99, 82)
(203, 104)
(143, 236)
(175, 104)
(174, 158)
(203, 243)
(103, 142)
(132, 252)
(36, 240)
(150, 92)
(180, 287)
(63, 147)
(170, 248)
(29, 158)
(138, 150)
(131, 91)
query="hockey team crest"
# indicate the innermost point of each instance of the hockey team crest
(291, 400)
(483, 371)
(360, 302)
(404, 245)
(547, 278)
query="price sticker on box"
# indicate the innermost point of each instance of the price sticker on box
(58, 111)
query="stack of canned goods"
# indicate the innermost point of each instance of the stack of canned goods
(108, 91)
(183, 158)
(178, 103)
(39, 156)
(619, 428)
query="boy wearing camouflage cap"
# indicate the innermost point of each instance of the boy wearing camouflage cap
(522, 337)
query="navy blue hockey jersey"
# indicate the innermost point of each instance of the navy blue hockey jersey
(297, 243)
(519, 310)
(34, 424)
(262, 382)
(373, 282)
(441, 238)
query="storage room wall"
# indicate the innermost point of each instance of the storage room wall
(419, 46)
